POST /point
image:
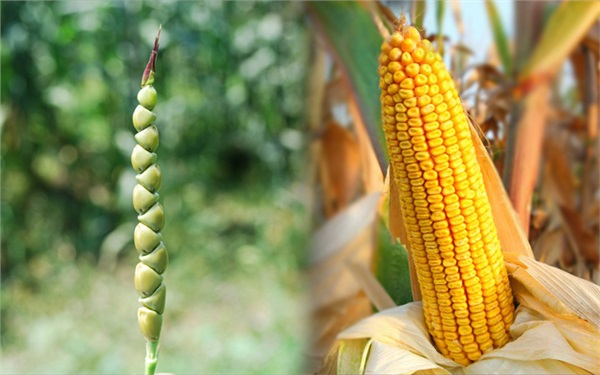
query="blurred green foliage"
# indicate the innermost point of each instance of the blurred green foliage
(230, 78)
(230, 82)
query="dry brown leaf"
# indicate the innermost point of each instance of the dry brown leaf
(371, 168)
(590, 175)
(567, 256)
(377, 12)
(499, 105)
(336, 96)
(585, 241)
(490, 76)
(577, 59)
(339, 167)
(525, 160)
(591, 214)
(558, 170)
(592, 39)
(548, 247)
(511, 235)
(351, 311)
(387, 14)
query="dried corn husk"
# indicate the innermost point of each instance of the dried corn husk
(549, 335)
(338, 250)
(556, 329)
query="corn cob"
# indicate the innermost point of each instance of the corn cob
(147, 238)
(467, 300)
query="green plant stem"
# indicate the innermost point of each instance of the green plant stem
(151, 357)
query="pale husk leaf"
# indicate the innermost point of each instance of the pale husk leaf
(401, 345)
(338, 300)
(337, 232)
(393, 360)
(511, 235)
(348, 236)
(548, 336)
(581, 296)
(402, 328)
(369, 284)
(352, 356)
(332, 280)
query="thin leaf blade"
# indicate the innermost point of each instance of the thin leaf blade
(440, 10)
(391, 268)
(500, 37)
(565, 28)
(419, 8)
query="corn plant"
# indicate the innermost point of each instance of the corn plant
(147, 237)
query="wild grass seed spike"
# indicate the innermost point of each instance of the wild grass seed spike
(148, 280)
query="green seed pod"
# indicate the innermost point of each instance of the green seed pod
(147, 97)
(156, 302)
(145, 239)
(150, 324)
(154, 217)
(142, 159)
(157, 260)
(148, 138)
(151, 178)
(146, 280)
(142, 118)
(143, 199)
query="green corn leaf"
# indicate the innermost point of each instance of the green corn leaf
(419, 8)
(354, 40)
(563, 31)
(440, 10)
(499, 36)
(391, 267)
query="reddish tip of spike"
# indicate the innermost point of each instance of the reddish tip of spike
(151, 66)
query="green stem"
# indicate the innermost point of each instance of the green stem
(151, 357)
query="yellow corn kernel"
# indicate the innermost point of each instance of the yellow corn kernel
(394, 55)
(399, 76)
(407, 45)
